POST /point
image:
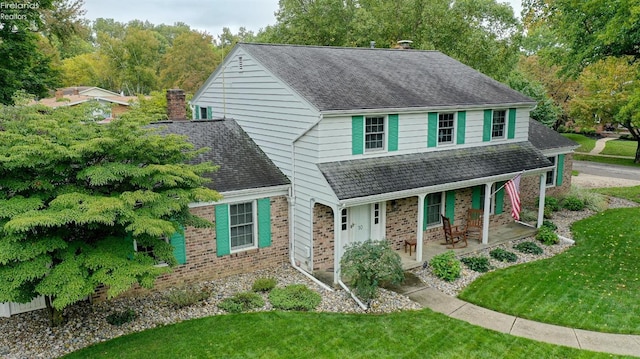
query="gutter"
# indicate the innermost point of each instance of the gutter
(422, 109)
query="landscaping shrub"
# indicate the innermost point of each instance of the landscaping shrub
(552, 226)
(294, 297)
(502, 255)
(552, 203)
(445, 266)
(367, 265)
(547, 236)
(528, 247)
(263, 284)
(528, 215)
(592, 200)
(121, 317)
(184, 297)
(573, 203)
(241, 302)
(478, 264)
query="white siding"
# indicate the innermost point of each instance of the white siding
(9, 309)
(266, 109)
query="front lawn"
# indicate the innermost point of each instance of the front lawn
(620, 148)
(609, 160)
(594, 285)
(630, 193)
(586, 143)
(411, 334)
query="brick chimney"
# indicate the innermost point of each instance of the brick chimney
(176, 105)
(59, 94)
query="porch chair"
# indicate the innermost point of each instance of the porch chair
(453, 235)
(473, 226)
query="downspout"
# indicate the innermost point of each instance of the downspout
(362, 305)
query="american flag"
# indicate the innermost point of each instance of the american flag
(513, 190)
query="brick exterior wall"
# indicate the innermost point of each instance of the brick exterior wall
(323, 237)
(176, 105)
(402, 221)
(203, 263)
(530, 185)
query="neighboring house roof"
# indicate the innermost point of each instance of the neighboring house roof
(379, 175)
(242, 163)
(342, 78)
(72, 100)
(545, 138)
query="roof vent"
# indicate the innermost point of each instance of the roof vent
(405, 44)
(372, 44)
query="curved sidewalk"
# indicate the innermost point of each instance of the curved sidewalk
(437, 301)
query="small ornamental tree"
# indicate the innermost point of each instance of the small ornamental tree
(76, 194)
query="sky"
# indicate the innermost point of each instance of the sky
(204, 15)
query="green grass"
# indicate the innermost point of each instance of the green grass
(620, 148)
(594, 285)
(412, 334)
(609, 160)
(586, 143)
(630, 193)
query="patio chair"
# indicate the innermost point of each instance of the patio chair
(453, 235)
(473, 225)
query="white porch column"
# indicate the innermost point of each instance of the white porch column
(543, 192)
(487, 213)
(337, 242)
(420, 230)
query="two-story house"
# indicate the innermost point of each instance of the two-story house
(378, 143)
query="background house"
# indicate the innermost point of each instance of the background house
(377, 143)
(112, 104)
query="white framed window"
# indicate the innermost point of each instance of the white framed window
(374, 133)
(203, 113)
(242, 225)
(551, 175)
(498, 124)
(376, 213)
(433, 208)
(149, 251)
(343, 219)
(445, 128)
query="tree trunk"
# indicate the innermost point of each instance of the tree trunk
(637, 159)
(56, 318)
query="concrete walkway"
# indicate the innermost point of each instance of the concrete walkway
(600, 144)
(437, 301)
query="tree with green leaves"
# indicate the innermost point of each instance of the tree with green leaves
(189, 62)
(546, 111)
(78, 197)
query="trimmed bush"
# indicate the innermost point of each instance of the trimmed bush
(263, 284)
(184, 297)
(502, 255)
(573, 203)
(552, 203)
(294, 297)
(478, 264)
(241, 302)
(122, 317)
(552, 226)
(445, 266)
(547, 236)
(528, 247)
(369, 264)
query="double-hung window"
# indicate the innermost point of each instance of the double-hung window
(374, 133)
(551, 175)
(433, 208)
(241, 224)
(498, 124)
(445, 128)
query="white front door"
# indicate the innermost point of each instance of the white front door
(359, 223)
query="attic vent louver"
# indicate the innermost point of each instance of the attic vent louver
(405, 44)
(240, 63)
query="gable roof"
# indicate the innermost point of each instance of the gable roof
(342, 78)
(378, 175)
(545, 138)
(242, 163)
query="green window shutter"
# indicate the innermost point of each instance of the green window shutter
(462, 127)
(357, 135)
(486, 129)
(424, 219)
(450, 203)
(511, 131)
(475, 197)
(179, 248)
(393, 132)
(129, 240)
(264, 222)
(432, 136)
(197, 112)
(209, 113)
(500, 198)
(559, 170)
(223, 240)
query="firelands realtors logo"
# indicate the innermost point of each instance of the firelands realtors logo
(12, 10)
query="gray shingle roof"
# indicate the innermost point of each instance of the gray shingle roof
(545, 138)
(242, 163)
(372, 176)
(341, 78)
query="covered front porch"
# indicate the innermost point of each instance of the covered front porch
(498, 235)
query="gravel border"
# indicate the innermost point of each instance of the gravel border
(28, 335)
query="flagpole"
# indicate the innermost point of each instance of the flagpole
(501, 187)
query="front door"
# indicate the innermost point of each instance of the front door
(359, 223)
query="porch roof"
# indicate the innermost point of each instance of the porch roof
(380, 175)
